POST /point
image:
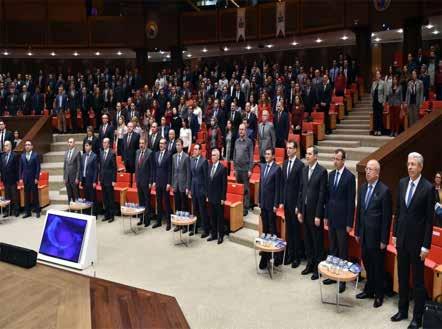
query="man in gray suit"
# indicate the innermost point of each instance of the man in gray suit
(180, 177)
(71, 170)
(414, 98)
(266, 135)
(143, 174)
(379, 97)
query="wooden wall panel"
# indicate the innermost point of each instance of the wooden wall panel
(292, 17)
(67, 11)
(68, 33)
(114, 31)
(267, 20)
(322, 15)
(199, 27)
(29, 33)
(31, 10)
(167, 19)
(251, 23)
(359, 10)
(227, 24)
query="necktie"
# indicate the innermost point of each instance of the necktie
(85, 164)
(289, 168)
(140, 158)
(262, 130)
(170, 145)
(213, 171)
(410, 194)
(69, 155)
(233, 116)
(310, 172)
(196, 163)
(368, 195)
(128, 138)
(335, 185)
(178, 161)
(266, 172)
(104, 129)
(28, 156)
(160, 158)
(105, 155)
(7, 158)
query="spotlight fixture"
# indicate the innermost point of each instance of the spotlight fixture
(400, 31)
(248, 47)
(161, 52)
(30, 53)
(5, 53)
(119, 53)
(167, 56)
(75, 54)
(344, 37)
(226, 49)
(429, 26)
(294, 43)
(435, 32)
(52, 54)
(204, 50)
(377, 39)
(148, 57)
(372, 34)
(318, 40)
(189, 55)
(269, 46)
(97, 53)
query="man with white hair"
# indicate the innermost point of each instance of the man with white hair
(412, 232)
(373, 220)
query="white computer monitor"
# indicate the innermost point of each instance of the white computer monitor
(68, 239)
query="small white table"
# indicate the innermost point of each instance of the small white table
(324, 270)
(130, 212)
(181, 222)
(269, 248)
(80, 206)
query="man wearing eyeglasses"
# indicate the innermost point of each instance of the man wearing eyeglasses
(373, 218)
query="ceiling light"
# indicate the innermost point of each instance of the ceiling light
(97, 53)
(30, 53)
(119, 53)
(372, 34)
(204, 50)
(429, 26)
(5, 53)
(52, 54)
(161, 52)
(75, 54)
(189, 55)
(248, 47)
(400, 31)
(269, 46)
(167, 56)
(344, 37)
(226, 49)
(377, 39)
(318, 40)
(294, 43)
(148, 57)
(435, 32)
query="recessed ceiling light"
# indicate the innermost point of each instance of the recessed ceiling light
(119, 53)
(148, 56)
(189, 55)
(429, 26)
(5, 53)
(30, 53)
(294, 43)
(318, 40)
(204, 50)
(372, 34)
(97, 53)
(377, 39)
(344, 37)
(161, 52)
(167, 56)
(184, 51)
(435, 32)
(248, 47)
(400, 31)
(52, 54)
(269, 46)
(75, 54)
(226, 49)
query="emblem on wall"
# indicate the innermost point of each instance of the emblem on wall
(381, 5)
(151, 30)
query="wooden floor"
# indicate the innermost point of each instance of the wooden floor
(46, 297)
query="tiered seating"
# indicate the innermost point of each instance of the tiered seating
(337, 103)
(120, 164)
(254, 184)
(234, 206)
(318, 125)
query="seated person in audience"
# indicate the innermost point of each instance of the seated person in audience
(438, 197)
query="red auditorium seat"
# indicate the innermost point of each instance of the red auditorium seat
(43, 190)
(234, 206)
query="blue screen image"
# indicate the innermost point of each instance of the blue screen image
(63, 237)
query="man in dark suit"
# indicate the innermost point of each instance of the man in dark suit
(340, 209)
(372, 231)
(25, 101)
(132, 113)
(154, 138)
(308, 97)
(143, 172)
(12, 103)
(163, 129)
(5, 135)
(108, 178)
(281, 124)
(90, 136)
(119, 112)
(171, 142)
(239, 95)
(84, 100)
(88, 173)
(324, 99)
(71, 170)
(269, 198)
(180, 177)
(59, 109)
(9, 177)
(290, 184)
(162, 172)
(106, 131)
(252, 120)
(37, 101)
(412, 232)
(131, 143)
(29, 175)
(216, 196)
(198, 189)
(235, 117)
(311, 204)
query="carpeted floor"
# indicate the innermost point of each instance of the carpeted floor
(216, 285)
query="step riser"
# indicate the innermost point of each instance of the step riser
(251, 226)
(53, 158)
(63, 147)
(351, 155)
(65, 137)
(351, 132)
(55, 186)
(346, 125)
(337, 144)
(243, 242)
(54, 171)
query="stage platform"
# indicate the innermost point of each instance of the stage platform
(48, 297)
